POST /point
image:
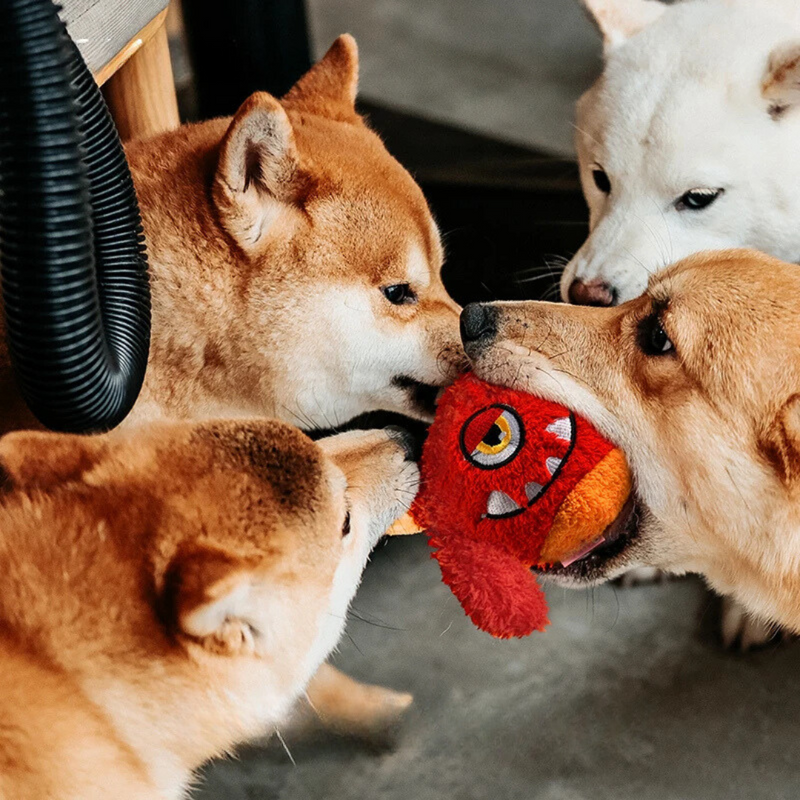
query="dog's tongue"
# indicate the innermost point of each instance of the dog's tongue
(587, 511)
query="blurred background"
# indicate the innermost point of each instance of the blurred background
(475, 97)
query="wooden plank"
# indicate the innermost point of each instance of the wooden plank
(103, 28)
(141, 94)
(133, 46)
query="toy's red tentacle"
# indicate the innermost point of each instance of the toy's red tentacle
(497, 592)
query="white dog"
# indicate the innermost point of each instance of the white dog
(689, 141)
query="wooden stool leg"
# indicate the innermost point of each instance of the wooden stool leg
(141, 95)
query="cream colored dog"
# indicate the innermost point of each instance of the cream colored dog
(699, 382)
(687, 141)
(167, 594)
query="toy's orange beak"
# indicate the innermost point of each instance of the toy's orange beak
(587, 511)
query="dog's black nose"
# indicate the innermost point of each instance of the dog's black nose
(411, 440)
(591, 293)
(478, 323)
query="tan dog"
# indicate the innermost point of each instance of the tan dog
(699, 382)
(295, 264)
(167, 594)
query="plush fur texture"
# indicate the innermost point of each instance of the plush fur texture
(168, 594)
(498, 468)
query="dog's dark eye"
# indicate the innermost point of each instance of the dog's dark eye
(697, 199)
(399, 293)
(653, 339)
(346, 524)
(601, 180)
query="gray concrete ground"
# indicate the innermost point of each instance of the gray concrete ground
(623, 698)
(511, 69)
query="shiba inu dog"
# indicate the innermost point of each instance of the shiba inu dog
(686, 143)
(295, 264)
(687, 140)
(698, 380)
(169, 592)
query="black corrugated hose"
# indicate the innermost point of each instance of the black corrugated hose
(72, 257)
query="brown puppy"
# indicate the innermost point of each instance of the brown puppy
(295, 264)
(166, 595)
(699, 382)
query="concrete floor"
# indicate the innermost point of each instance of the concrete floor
(510, 69)
(625, 697)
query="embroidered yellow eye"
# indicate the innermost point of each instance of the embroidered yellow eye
(492, 437)
(497, 438)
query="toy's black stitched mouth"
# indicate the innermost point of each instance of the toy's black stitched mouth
(499, 505)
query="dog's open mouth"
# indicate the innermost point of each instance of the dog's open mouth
(423, 396)
(592, 562)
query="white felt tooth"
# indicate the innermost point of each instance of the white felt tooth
(532, 490)
(561, 428)
(500, 503)
(552, 464)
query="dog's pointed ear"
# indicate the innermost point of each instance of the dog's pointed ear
(780, 442)
(36, 460)
(329, 88)
(781, 83)
(208, 597)
(618, 20)
(258, 174)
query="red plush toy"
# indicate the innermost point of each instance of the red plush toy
(511, 482)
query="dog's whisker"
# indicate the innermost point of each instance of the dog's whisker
(285, 747)
(375, 623)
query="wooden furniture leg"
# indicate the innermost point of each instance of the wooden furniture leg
(141, 94)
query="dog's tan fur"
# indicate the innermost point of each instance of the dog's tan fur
(270, 237)
(167, 594)
(711, 428)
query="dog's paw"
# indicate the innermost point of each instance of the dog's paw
(359, 710)
(381, 711)
(642, 575)
(743, 632)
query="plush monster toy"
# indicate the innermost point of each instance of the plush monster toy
(511, 484)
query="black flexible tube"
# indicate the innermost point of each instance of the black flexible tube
(72, 257)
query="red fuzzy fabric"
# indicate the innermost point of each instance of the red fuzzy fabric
(486, 561)
(498, 593)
